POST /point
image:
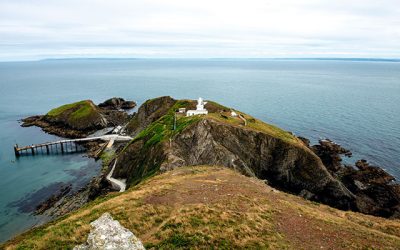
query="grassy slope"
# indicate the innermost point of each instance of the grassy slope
(212, 207)
(75, 112)
(162, 129)
(81, 109)
(257, 125)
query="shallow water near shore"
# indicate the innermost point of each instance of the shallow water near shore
(356, 104)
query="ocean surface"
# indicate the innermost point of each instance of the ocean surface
(354, 103)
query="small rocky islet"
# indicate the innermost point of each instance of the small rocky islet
(165, 140)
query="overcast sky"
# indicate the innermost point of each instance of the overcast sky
(37, 29)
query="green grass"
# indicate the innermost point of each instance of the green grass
(217, 105)
(163, 129)
(257, 125)
(106, 157)
(77, 110)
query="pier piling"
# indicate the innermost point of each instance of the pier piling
(16, 151)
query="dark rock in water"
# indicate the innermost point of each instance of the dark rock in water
(330, 152)
(116, 103)
(32, 201)
(371, 174)
(31, 121)
(374, 188)
(53, 199)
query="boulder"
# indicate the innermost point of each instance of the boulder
(107, 233)
(117, 103)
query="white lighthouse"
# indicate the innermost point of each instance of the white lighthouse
(200, 110)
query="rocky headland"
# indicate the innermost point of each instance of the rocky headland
(253, 148)
(166, 141)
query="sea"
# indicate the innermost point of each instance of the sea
(355, 103)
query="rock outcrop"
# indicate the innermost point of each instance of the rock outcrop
(107, 233)
(375, 190)
(149, 112)
(330, 152)
(117, 103)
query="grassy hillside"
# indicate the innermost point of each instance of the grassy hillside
(257, 125)
(78, 110)
(79, 115)
(213, 207)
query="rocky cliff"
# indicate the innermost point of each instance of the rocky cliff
(257, 149)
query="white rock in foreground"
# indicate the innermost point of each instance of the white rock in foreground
(107, 233)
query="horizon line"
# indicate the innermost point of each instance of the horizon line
(376, 59)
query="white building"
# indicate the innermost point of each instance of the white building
(200, 110)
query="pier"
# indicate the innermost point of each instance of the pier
(64, 146)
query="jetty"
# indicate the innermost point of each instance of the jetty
(67, 145)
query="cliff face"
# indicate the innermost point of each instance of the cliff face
(209, 142)
(291, 167)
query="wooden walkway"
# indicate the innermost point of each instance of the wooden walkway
(65, 145)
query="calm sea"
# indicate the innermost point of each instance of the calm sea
(356, 104)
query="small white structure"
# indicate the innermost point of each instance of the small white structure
(200, 110)
(233, 113)
(182, 110)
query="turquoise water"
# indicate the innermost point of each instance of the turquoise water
(355, 103)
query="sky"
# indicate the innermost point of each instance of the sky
(40, 29)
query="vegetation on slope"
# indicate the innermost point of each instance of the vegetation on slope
(213, 207)
(257, 125)
(79, 110)
(163, 128)
(78, 115)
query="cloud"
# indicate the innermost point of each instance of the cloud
(185, 28)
